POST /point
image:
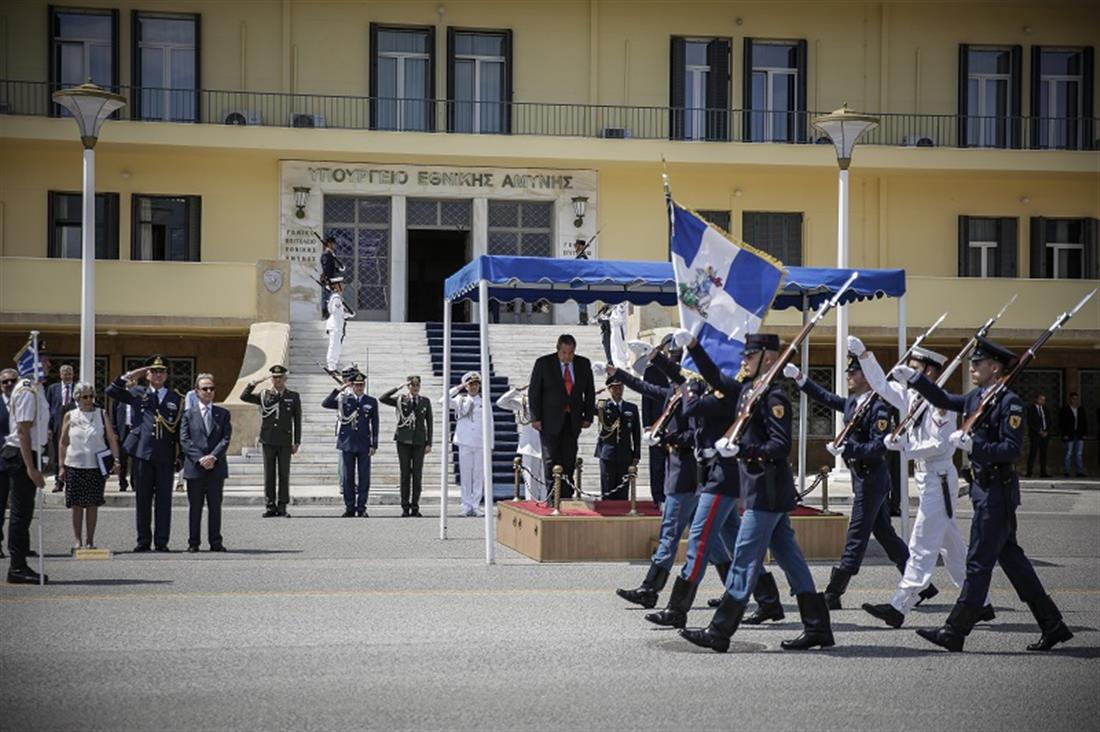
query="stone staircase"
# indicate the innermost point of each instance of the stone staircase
(389, 352)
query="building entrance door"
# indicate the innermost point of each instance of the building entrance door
(434, 255)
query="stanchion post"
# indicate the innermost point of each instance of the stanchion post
(577, 483)
(517, 464)
(824, 487)
(632, 472)
(557, 491)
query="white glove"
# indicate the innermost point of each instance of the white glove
(640, 348)
(682, 338)
(961, 441)
(726, 448)
(791, 372)
(903, 374)
(833, 449)
(649, 440)
(599, 369)
(900, 443)
(855, 346)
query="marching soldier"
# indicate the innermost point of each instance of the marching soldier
(154, 445)
(280, 435)
(619, 443)
(414, 440)
(357, 441)
(925, 442)
(863, 452)
(767, 489)
(994, 446)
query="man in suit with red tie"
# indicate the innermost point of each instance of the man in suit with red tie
(562, 399)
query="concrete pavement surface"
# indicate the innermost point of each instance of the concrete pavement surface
(319, 622)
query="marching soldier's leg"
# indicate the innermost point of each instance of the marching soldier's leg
(817, 628)
(269, 480)
(859, 533)
(1020, 572)
(677, 506)
(896, 550)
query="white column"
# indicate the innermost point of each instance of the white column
(903, 469)
(87, 272)
(486, 423)
(399, 261)
(445, 421)
(840, 379)
(479, 242)
(803, 401)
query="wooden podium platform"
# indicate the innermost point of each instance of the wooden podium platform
(602, 532)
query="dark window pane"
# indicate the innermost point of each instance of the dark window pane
(1065, 63)
(696, 53)
(177, 31)
(402, 41)
(479, 44)
(84, 26)
(990, 61)
(721, 219)
(503, 214)
(774, 55)
(167, 228)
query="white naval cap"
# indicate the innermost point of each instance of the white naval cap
(923, 354)
(471, 376)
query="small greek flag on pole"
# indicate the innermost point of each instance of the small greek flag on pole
(724, 284)
(27, 362)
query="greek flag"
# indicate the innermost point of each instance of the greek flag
(27, 362)
(725, 284)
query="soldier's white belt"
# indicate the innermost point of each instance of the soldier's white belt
(933, 466)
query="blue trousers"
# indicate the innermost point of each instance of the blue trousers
(713, 535)
(677, 514)
(1075, 455)
(760, 531)
(871, 516)
(993, 541)
(153, 483)
(356, 464)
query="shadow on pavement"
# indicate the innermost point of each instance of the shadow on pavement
(110, 582)
(261, 551)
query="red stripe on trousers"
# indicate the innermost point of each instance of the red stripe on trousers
(701, 551)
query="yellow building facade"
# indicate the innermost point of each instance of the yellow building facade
(420, 134)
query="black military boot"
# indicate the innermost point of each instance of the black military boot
(988, 614)
(886, 612)
(646, 593)
(768, 606)
(679, 604)
(959, 624)
(723, 572)
(838, 583)
(816, 628)
(723, 625)
(1050, 622)
(927, 594)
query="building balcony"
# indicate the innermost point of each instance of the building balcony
(586, 131)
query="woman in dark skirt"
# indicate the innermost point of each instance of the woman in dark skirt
(85, 434)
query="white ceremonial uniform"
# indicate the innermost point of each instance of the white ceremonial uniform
(467, 436)
(935, 532)
(334, 326)
(28, 404)
(530, 444)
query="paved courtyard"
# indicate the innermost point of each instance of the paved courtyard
(318, 622)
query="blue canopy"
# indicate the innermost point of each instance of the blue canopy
(641, 282)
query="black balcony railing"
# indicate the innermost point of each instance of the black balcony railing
(610, 121)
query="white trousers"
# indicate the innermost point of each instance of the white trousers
(934, 533)
(335, 337)
(472, 477)
(532, 474)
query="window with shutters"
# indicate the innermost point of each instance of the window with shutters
(166, 228)
(989, 96)
(699, 90)
(166, 66)
(987, 246)
(778, 234)
(775, 91)
(402, 79)
(479, 81)
(1064, 249)
(66, 213)
(83, 46)
(721, 219)
(1061, 97)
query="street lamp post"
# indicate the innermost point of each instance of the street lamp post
(90, 106)
(844, 127)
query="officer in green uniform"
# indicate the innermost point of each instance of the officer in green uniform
(413, 437)
(280, 435)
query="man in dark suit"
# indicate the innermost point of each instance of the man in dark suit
(1038, 434)
(8, 377)
(122, 417)
(204, 439)
(154, 445)
(59, 396)
(620, 442)
(1074, 425)
(563, 402)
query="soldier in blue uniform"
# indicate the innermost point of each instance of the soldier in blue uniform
(767, 489)
(154, 444)
(619, 444)
(716, 522)
(994, 445)
(864, 453)
(357, 441)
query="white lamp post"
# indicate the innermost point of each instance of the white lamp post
(90, 106)
(844, 127)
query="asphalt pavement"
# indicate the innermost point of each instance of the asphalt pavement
(319, 622)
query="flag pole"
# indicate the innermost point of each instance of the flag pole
(39, 497)
(671, 228)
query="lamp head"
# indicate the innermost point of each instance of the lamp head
(844, 127)
(90, 105)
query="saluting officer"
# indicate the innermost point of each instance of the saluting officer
(414, 440)
(994, 446)
(619, 444)
(154, 444)
(864, 453)
(767, 489)
(280, 435)
(356, 439)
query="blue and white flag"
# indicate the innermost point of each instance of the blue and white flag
(27, 362)
(726, 285)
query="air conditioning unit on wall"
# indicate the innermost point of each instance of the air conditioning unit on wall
(616, 133)
(242, 118)
(307, 120)
(918, 141)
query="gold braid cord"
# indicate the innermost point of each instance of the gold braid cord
(170, 425)
(405, 421)
(607, 431)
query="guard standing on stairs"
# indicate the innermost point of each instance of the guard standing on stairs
(619, 444)
(280, 435)
(335, 325)
(331, 267)
(863, 452)
(356, 439)
(414, 439)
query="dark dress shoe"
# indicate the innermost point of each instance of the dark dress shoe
(416, 513)
(348, 513)
(283, 513)
(363, 514)
(927, 593)
(161, 548)
(887, 613)
(192, 549)
(271, 512)
(405, 513)
(31, 553)
(141, 548)
(24, 576)
(1048, 640)
(987, 614)
(218, 548)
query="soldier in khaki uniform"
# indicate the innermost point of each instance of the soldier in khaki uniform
(413, 437)
(280, 435)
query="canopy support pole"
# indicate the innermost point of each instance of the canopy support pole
(803, 401)
(445, 420)
(903, 464)
(486, 422)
